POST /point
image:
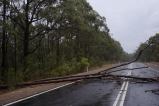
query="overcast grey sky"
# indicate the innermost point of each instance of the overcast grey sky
(130, 21)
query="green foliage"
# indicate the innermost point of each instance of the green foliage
(71, 67)
(11, 79)
(53, 38)
(84, 62)
(151, 53)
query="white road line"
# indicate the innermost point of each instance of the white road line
(38, 94)
(119, 101)
(119, 94)
(124, 94)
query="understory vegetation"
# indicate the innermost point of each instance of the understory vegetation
(46, 38)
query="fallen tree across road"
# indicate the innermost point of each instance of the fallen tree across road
(84, 77)
(101, 74)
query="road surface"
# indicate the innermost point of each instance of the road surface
(102, 92)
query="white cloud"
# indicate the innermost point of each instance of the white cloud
(130, 21)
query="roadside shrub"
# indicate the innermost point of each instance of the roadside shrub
(71, 67)
(84, 62)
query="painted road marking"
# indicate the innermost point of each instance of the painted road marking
(124, 94)
(38, 94)
(119, 94)
(119, 101)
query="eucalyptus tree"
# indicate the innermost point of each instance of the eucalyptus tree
(4, 39)
(152, 53)
(26, 14)
(48, 35)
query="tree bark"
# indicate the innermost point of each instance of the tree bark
(4, 51)
(26, 37)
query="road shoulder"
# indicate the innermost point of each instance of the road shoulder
(154, 65)
(21, 93)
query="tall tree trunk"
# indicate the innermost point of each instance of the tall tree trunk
(77, 48)
(58, 51)
(4, 52)
(15, 58)
(25, 49)
(26, 38)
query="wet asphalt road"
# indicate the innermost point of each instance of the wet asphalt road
(101, 92)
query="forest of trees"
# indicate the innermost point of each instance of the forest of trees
(44, 38)
(151, 54)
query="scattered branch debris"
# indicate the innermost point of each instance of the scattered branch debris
(127, 69)
(101, 76)
(137, 78)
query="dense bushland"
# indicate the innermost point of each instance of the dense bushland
(44, 38)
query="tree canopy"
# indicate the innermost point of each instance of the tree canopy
(42, 38)
(151, 53)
